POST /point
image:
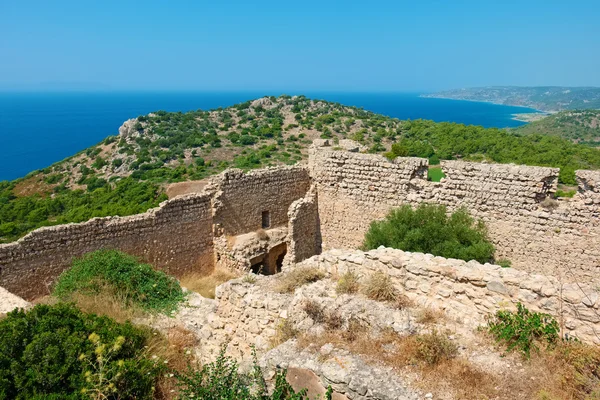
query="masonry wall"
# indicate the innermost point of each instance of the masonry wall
(355, 189)
(240, 198)
(176, 237)
(304, 233)
(470, 291)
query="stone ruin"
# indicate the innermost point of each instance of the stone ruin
(276, 219)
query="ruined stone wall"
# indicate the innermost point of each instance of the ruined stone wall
(550, 237)
(470, 291)
(304, 228)
(241, 198)
(176, 237)
(355, 189)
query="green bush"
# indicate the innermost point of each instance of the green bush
(54, 351)
(428, 229)
(137, 284)
(522, 330)
(221, 380)
(435, 174)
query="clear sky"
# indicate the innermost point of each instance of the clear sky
(368, 45)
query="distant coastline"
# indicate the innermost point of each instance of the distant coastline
(531, 117)
(536, 111)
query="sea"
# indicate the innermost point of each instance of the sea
(39, 129)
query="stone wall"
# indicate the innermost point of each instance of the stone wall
(470, 291)
(304, 228)
(176, 237)
(241, 198)
(355, 189)
(536, 235)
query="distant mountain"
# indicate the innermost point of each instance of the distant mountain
(544, 98)
(578, 126)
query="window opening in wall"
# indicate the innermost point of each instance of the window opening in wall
(266, 219)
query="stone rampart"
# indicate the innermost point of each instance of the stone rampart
(176, 237)
(470, 291)
(241, 198)
(535, 233)
(304, 228)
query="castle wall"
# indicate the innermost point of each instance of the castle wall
(241, 198)
(304, 228)
(355, 189)
(560, 238)
(175, 237)
(470, 291)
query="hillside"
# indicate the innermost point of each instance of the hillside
(130, 172)
(579, 126)
(544, 98)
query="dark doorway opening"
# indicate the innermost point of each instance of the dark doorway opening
(271, 262)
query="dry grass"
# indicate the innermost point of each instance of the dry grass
(206, 285)
(314, 311)
(433, 354)
(347, 283)
(262, 235)
(298, 277)
(549, 203)
(176, 348)
(570, 371)
(402, 302)
(379, 287)
(428, 316)
(285, 331)
(105, 302)
(434, 348)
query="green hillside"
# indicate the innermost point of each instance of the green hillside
(129, 173)
(579, 126)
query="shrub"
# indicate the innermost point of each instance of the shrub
(562, 193)
(314, 311)
(435, 174)
(428, 229)
(54, 352)
(434, 348)
(549, 203)
(504, 263)
(299, 277)
(348, 283)
(284, 331)
(221, 380)
(137, 284)
(379, 287)
(521, 330)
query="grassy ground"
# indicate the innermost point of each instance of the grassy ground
(435, 174)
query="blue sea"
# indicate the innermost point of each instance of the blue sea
(38, 129)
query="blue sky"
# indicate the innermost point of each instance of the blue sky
(297, 45)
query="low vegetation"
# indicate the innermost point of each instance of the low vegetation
(379, 286)
(205, 285)
(298, 277)
(429, 229)
(222, 380)
(347, 283)
(578, 126)
(21, 214)
(123, 276)
(58, 352)
(524, 330)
